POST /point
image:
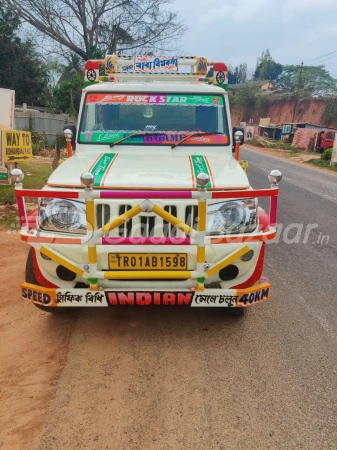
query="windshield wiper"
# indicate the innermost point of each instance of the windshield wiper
(142, 133)
(196, 133)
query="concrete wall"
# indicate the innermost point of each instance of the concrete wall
(47, 124)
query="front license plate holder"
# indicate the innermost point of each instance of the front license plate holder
(148, 261)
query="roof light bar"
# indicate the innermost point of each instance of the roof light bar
(126, 67)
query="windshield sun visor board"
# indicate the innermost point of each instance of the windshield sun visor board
(156, 99)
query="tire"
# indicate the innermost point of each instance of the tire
(30, 278)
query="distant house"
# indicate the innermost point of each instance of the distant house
(293, 126)
(263, 85)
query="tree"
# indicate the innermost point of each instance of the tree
(248, 99)
(21, 68)
(314, 80)
(266, 67)
(105, 26)
(68, 89)
(238, 74)
(74, 66)
(67, 94)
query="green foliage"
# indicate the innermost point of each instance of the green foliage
(267, 68)
(96, 53)
(262, 104)
(39, 175)
(37, 139)
(60, 141)
(330, 111)
(321, 163)
(249, 98)
(286, 146)
(75, 66)
(313, 80)
(326, 155)
(65, 96)
(67, 93)
(22, 69)
(246, 96)
(256, 143)
(276, 145)
(237, 74)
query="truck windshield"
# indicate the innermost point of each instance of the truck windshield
(160, 119)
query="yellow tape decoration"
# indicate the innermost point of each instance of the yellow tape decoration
(60, 259)
(229, 260)
(171, 219)
(121, 219)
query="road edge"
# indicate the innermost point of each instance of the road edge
(283, 158)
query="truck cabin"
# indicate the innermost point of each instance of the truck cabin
(325, 140)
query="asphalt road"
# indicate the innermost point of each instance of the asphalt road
(197, 379)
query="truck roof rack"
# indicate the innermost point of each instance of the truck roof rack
(123, 68)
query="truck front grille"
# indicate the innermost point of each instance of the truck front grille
(124, 230)
(102, 215)
(148, 224)
(168, 229)
(191, 216)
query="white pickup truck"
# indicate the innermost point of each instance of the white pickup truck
(154, 207)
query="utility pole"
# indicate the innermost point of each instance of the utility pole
(298, 88)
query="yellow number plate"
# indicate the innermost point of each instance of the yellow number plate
(148, 261)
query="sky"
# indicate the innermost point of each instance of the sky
(236, 31)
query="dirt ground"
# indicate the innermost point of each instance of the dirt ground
(33, 351)
(176, 378)
(279, 153)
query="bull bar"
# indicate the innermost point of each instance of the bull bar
(99, 236)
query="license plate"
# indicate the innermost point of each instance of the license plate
(148, 261)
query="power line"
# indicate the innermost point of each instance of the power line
(319, 57)
(322, 61)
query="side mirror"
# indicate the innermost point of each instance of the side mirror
(73, 130)
(238, 134)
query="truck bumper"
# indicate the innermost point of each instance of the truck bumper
(225, 298)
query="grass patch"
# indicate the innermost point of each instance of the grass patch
(321, 163)
(284, 147)
(36, 176)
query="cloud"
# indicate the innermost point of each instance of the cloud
(239, 30)
(239, 12)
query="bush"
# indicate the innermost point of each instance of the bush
(60, 141)
(326, 155)
(286, 146)
(254, 142)
(37, 143)
(36, 148)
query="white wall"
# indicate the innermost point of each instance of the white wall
(7, 103)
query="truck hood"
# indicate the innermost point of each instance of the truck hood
(134, 171)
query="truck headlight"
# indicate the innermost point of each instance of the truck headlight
(234, 216)
(67, 216)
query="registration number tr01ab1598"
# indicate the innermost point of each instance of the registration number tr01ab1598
(147, 261)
